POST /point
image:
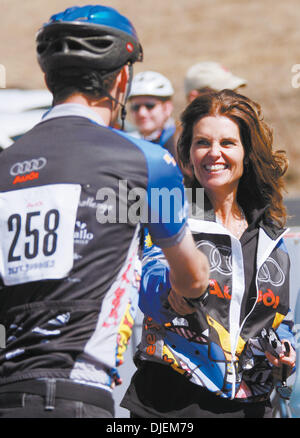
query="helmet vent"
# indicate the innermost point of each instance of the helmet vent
(100, 43)
(74, 45)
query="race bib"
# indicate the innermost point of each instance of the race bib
(37, 232)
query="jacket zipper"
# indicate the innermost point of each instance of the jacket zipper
(247, 316)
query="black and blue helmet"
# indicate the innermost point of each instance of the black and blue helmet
(96, 37)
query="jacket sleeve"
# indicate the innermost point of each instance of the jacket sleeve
(155, 283)
(285, 330)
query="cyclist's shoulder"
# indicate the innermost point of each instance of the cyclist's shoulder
(156, 156)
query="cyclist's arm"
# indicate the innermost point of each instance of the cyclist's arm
(189, 269)
(188, 266)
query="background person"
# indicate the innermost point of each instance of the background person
(212, 362)
(151, 109)
(69, 284)
(210, 75)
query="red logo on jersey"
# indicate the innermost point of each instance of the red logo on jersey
(23, 178)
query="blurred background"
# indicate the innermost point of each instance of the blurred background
(257, 40)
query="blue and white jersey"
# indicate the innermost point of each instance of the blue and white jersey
(75, 197)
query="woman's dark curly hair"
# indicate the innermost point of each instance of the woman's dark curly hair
(262, 183)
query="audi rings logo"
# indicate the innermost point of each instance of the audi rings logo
(271, 272)
(28, 166)
(219, 257)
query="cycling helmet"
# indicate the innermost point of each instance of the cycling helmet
(151, 83)
(96, 37)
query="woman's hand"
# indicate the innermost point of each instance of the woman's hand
(179, 304)
(289, 360)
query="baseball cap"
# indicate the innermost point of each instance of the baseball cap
(213, 75)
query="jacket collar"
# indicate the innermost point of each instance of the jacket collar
(73, 109)
(255, 216)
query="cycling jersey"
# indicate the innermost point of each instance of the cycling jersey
(218, 347)
(69, 250)
(165, 138)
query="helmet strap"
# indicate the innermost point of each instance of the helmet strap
(123, 105)
(123, 108)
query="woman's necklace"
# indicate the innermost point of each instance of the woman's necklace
(243, 224)
(238, 227)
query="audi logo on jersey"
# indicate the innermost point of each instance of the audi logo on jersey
(28, 166)
(220, 260)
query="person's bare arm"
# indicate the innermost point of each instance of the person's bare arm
(189, 268)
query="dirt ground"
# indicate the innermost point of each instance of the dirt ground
(257, 39)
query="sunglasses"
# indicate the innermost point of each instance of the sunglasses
(148, 105)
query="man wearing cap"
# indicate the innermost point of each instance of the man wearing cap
(209, 75)
(151, 108)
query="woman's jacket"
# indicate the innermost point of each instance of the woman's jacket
(220, 345)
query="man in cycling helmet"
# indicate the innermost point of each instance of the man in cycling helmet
(71, 190)
(151, 109)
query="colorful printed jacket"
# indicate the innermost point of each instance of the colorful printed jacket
(218, 347)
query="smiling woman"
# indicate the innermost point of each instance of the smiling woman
(226, 130)
(216, 159)
(217, 152)
(206, 358)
